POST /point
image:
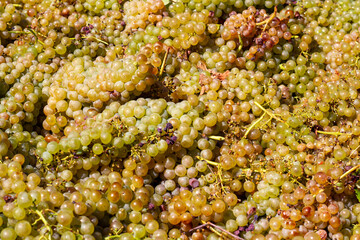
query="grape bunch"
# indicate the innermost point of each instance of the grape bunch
(191, 120)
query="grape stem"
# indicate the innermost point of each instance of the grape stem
(99, 40)
(212, 227)
(266, 112)
(113, 236)
(267, 121)
(320, 191)
(353, 151)
(349, 171)
(266, 22)
(211, 162)
(47, 226)
(219, 172)
(198, 227)
(333, 133)
(30, 32)
(164, 61)
(269, 113)
(77, 234)
(253, 125)
(19, 32)
(240, 43)
(218, 138)
(116, 233)
(302, 185)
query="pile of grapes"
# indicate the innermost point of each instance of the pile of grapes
(186, 119)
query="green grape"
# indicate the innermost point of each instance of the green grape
(23, 228)
(64, 218)
(19, 213)
(87, 228)
(9, 233)
(68, 236)
(47, 157)
(105, 137)
(74, 143)
(162, 146)
(139, 231)
(52, 147)
(152, 150)
(97, 149)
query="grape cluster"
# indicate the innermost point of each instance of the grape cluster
(155, 119)
(248, 27)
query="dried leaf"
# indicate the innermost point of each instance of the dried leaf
(203, 78)
(202, 91)
(202, 66)
(221, 76)
(203, 81)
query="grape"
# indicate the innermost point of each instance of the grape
(23, 228)
(19, 213)
(64, 218)
(68, 235)
(8, 234)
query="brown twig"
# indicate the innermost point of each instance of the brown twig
(208, 224)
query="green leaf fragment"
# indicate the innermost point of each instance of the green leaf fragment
(357, 193)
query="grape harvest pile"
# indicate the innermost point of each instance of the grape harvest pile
(179, 120)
